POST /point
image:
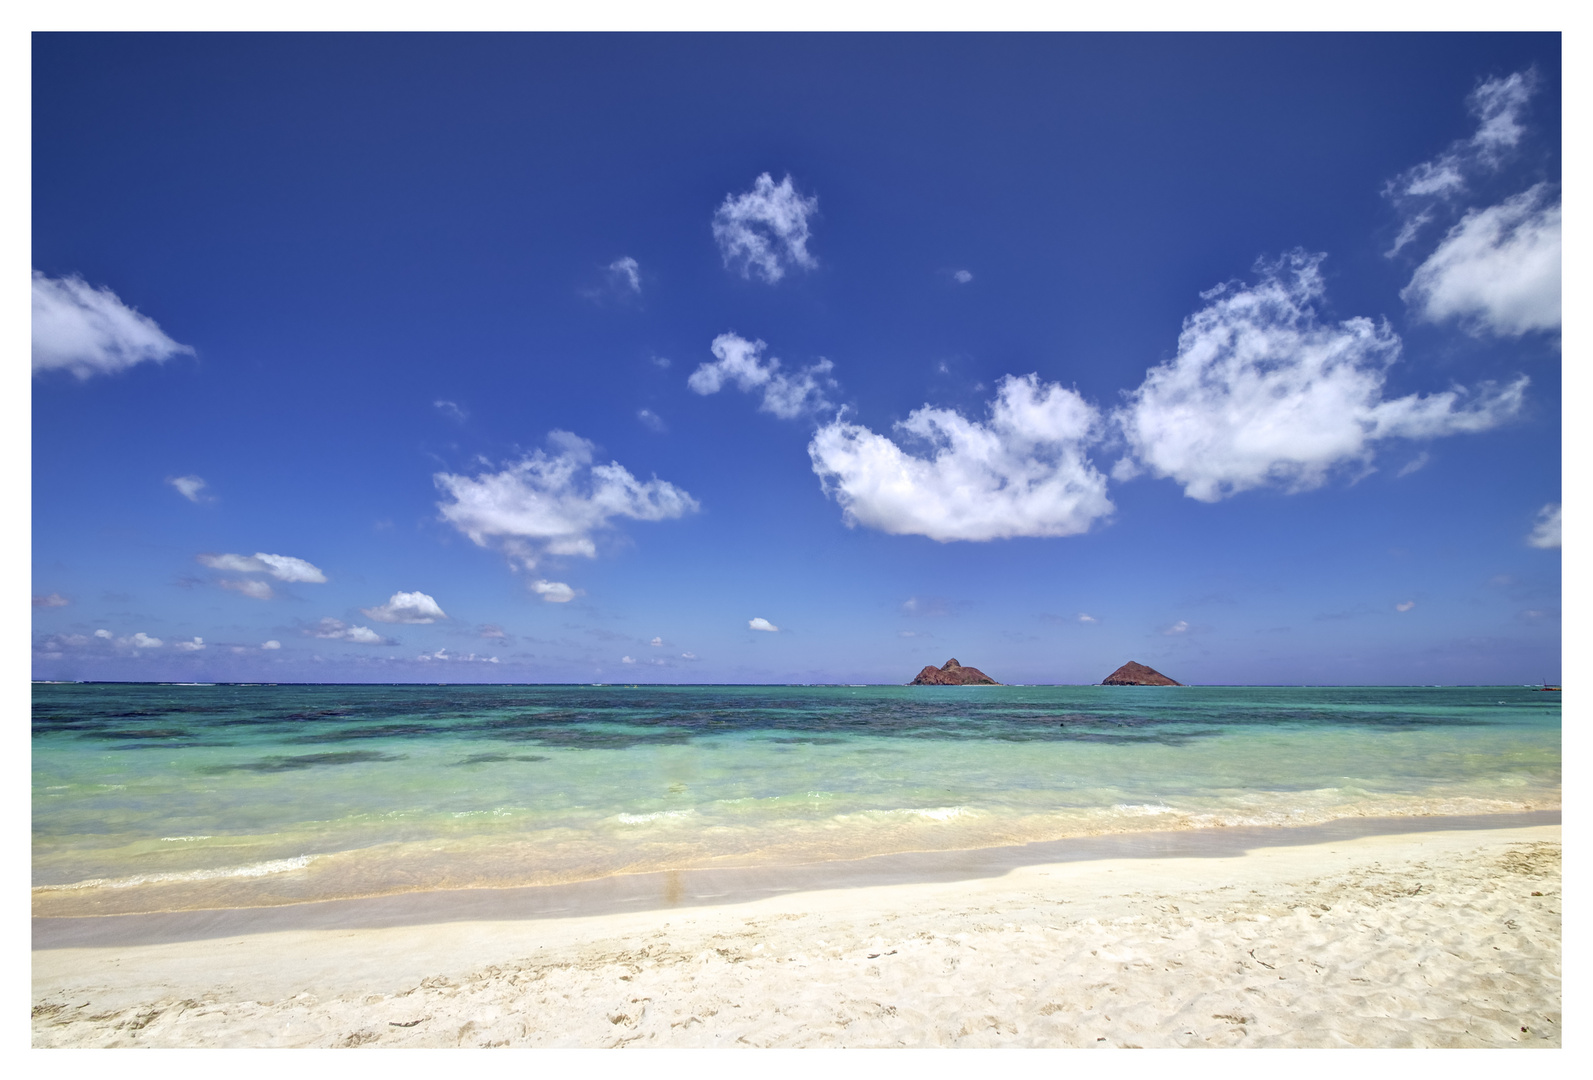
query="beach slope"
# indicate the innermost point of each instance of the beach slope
(1419, 940)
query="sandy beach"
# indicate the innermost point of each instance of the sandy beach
(1420, 939)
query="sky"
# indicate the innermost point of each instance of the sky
(804, 358)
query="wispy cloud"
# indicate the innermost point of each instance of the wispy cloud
(1546, 531)
(250, 587)
(452, 410)
(553, 504)
(762, 624)
(1404, 606)
(1263, 394)
(786, 396)
(1421, 191)
(1415, 464)
(963, 277)
(190, 487)
(651, 420)
(1083, 618)
(1179, 627)
(272, 645)
(50, 600)
(625, 275)
(406, 607)
(764, 231)
(1024, 471)
(89, 331)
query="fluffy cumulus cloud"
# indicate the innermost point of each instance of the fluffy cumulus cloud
(1263, 394)
(762, 624)
(1546, 531)
(140, 640)
(553, 503)
(89, 331)
(553, 592)
(737, 361)
(190, 646)
(1497, 270)
(281, 567)
(271, 646)
(189, 487)
(337, 630)
(1023, 471)
(406, 607)
(764, 231)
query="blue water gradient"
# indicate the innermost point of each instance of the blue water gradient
(151, 797)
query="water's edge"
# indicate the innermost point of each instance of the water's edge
(696, 888)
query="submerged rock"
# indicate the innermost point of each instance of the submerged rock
(952, 674)
(1136, 674)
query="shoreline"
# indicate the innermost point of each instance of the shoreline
(1430, 938)
(694, 888)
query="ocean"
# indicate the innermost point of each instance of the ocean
(155, 797)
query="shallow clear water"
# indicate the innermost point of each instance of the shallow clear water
(154, 797)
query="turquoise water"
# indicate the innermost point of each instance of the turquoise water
(157, 797)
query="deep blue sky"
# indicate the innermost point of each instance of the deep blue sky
(347, 229)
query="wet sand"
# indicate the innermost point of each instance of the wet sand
(1392, 939)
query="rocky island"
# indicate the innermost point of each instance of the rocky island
(1136, 674)
(952, 674)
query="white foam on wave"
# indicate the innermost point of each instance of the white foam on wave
(939, 813)
(1144, 809)
(642, 819)
(179, 839)
(275, 866)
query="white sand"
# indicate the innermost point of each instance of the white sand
(1432, 939)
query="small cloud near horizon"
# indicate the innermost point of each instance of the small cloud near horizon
(51, 600)
(762, 624)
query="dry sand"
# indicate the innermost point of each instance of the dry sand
(1426, 939)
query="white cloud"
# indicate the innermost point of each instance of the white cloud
(785, 396)
(627, 659)
(1414, 464)
(140, 640)
(281, 567)
(493, 632)
(553, 504)
(554, 592)
(688, 656)
(763, 231)
(51, 600)
(106, 634)
(1420, 191)
(190, 646)
(189, 487)
(1546, 532)
(1023, 472)
(657, 643)
(337, 630)
(452, 410)
(88, 331)
(660, 362)
(625, 274)
(406, 607)
(1179, 627)
(256, 590)
(1087, 618)
(271, 645)
(963, 277)
(1497, 270)
(471, 658)
(650, 420)
(762, 624)
(1263, 394)
(1404, 605)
